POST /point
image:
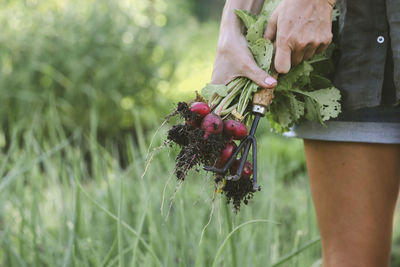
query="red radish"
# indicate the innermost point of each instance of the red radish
(200, 108)
(193, 123)
(226, 153)
(247, 169)
(234, 167)
(235, 129)
(211, 124)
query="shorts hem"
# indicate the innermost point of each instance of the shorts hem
(364, 132)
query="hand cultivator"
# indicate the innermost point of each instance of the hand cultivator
(261, 101)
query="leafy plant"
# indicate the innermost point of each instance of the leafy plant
(304, 93)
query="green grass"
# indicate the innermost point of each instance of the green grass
(65, 204)
(68, 204)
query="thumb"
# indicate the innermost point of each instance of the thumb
(260, 77)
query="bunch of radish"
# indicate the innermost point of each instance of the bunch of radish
(211, 124)
(205, 138)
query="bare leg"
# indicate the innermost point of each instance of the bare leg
(354, 188)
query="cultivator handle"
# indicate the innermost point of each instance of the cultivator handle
(263, 98)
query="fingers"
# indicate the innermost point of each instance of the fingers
(282, 58)
(286, 57)
(297, 39)
(309, 52)
(321, 48)
(326, 40)
(260, 77)
(283, 53)
(270, 31)
(297, 56)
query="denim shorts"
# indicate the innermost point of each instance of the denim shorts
(369, 125)
(380, 124)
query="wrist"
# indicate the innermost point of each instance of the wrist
(253, 6)
(230, 21)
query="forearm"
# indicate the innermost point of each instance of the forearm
(230, 20)
(233, 58)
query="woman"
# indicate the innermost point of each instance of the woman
(354, 163)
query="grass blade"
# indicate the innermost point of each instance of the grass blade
(221, 247)
(296, 252)
(127, 226)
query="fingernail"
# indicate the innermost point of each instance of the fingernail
(270, 81)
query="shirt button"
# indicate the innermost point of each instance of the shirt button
(380, 39)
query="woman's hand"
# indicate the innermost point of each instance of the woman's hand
(234, 58)
(300, 28)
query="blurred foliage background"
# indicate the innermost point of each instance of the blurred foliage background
(124, 60)
(84, 84)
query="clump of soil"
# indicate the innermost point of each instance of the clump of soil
(238, 191)
(184, 111)
(195, 151)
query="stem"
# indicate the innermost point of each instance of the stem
(312, 61)
(119, 225)
(232, 239)
(247, 97)
(229, 110)
(229, 101)
(246, 114)
(234, 83)
(236, 87)
(215, 102)
(216, 99)
(241, 99)
(211, 100)
(244, 98)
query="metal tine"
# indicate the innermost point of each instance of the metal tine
(230, 161)
(249, 141)
(249, 138)
(255, 186)
(242, 161)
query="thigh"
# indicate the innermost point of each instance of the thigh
(354, 188)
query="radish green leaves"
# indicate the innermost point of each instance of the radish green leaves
(304, 93)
